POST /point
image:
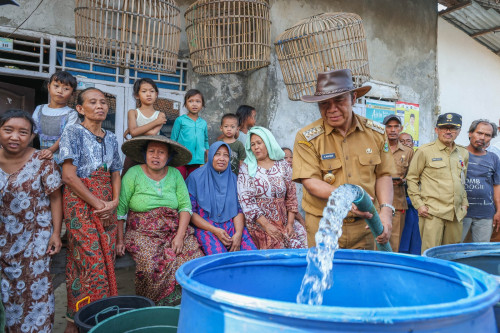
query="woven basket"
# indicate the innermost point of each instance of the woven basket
(138, 34)
(322, 43)
(228, 36)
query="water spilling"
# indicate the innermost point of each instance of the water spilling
(318, 277)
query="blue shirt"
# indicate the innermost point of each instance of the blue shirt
(88, 152)
(193, 135)
(483, 172)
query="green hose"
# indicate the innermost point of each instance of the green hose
(365, 204)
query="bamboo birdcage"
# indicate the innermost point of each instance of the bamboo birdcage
(228, 36)
(322, 43)
(138, 34)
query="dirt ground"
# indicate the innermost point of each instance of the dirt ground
(124, 270)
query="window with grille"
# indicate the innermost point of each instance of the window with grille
(38, 54)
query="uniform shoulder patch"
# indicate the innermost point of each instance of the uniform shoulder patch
(313, 132)
(376, 126)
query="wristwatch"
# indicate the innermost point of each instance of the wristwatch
(390, 206)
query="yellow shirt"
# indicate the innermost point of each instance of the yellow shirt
(402, 158)
(436, 178)
(360, 158)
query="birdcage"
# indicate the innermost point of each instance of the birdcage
(136, 34)
(228, 36)
(322, 43)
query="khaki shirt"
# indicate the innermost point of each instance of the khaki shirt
(402, 158)
(360, 158)
(436, 178)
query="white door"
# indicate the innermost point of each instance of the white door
(116, 98)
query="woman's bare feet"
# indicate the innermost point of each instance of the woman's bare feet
(71, 327)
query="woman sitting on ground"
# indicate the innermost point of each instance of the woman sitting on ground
(156, 199)
(267, 194)
(219, 221)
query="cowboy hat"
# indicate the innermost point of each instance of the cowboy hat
(332, 84)
(135, 148)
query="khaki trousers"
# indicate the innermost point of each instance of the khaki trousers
(398, 224)
(435, 231)
(355, 235)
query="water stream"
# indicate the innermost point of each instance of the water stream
(318, 277)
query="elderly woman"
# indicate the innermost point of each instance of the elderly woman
(267, 194)
(91, 172)
(156, 200)
(31, 217)
(219, 221)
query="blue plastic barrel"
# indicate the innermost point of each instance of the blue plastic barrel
(255, 291)
(485, 256)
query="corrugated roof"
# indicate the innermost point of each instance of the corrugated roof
(482, 24)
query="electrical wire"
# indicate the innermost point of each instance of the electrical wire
(19, 26)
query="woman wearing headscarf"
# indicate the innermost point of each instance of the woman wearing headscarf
(267, 194)
(155, 201)
(217, 215)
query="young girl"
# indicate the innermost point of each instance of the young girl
(51, 119)
(190, 130)
(144, 120)
(31, 215)
(246, 120)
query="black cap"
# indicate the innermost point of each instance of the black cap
(453, 119)
(391, 117)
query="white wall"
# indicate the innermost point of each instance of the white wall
(469, 78)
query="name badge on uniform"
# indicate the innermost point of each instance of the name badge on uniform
(328, 156)
(437, 159)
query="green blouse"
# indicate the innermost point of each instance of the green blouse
(140, 193)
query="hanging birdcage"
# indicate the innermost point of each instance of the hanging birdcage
(318, 44)
(138, 34)
(228, 36)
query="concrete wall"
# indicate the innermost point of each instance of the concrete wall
(401, 37)
(468, 78)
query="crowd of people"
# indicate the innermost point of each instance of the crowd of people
(179, 198)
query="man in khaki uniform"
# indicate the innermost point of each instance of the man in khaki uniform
(341, 148)
(436, 184)
(402, 157)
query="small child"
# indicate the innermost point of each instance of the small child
(246, 120)
(190, 130)
(144, 120)
(229, 127)
(51, 119)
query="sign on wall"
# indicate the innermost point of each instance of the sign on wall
(378, 110)
(410, 113)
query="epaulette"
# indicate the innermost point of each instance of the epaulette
(376, 126)
(313, 132)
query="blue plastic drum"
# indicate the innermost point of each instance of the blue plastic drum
(485, 256)
(255, 291)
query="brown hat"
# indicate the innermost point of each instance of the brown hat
(332, 84)
(135, 148)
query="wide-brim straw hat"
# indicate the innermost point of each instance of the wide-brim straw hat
(332, 84)
(135, 148)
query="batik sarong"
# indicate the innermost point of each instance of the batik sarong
(149, 239)
(91, 246)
